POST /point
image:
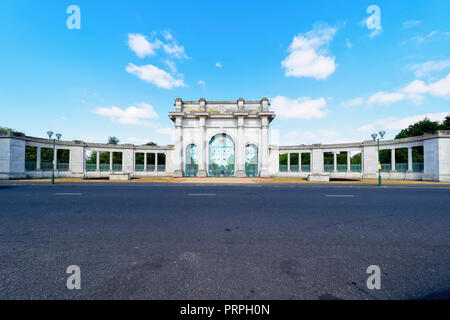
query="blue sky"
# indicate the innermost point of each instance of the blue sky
(330, 78)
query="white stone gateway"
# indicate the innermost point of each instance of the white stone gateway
(221, 138)
(227, 138)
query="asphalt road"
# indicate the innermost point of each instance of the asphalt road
(158, 241)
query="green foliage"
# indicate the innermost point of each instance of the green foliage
(294, 158)
(385, 156)
(356, 159)
(424, 126)
(6, 129)
(151, 143)
(113, 140)
(139, 158)
(306, 159)
(283, 159)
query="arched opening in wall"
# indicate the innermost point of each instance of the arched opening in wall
(30, 158)
(161, 157)
(386, 160)
(355, 161)
(251, 160)
(283, 160)
(90, 158)
(117, 161)
(401, 159)
(62, 159)
(417, 159)
(221, 156)
(293, 162)
(191, 161)
(328, 161)
(306, 162)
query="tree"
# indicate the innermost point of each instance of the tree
(6, 129)
(113, 140)
(424, 126)
(151, 143)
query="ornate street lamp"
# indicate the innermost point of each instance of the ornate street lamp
(58, 136)
(374, 137)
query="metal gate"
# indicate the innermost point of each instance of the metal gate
(251, 160)
(191, 161)
(221, 156)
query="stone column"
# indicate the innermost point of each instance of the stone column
(335, 161)
(110, 161)
(410, 159)
(289, 161)
(145, 161)
(264, 146)
(393, 160)
(38, 158)
(98, 160)
(348, 162)
(240, 149)
(202, 148)
(178, 161)
(156, 162)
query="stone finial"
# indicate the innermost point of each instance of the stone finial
(202, 102)
(265, 104)
(178, 105)
(240, 103)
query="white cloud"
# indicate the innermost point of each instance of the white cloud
(141, 46)
(375, 33)
(201, 82)
(153, 74)
(133, 115)
(415, 92)
(170, 64)
(430, 66)
(348, 43)
(308, 54)
(410, 24)
(172, 48)
(218, 65)
(356, 102)
(396, 124)
(300, 108)
(429, 36)
(382, 98)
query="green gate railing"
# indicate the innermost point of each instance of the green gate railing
(46, 166)
(117, 167)
(355, 167)
(221, 171)
(342, 167)
(401, 167)
(294, 167)
(139, 167)
(191, 170)
(30, 165)
(306, 168)
(150, 167)
(283, 168)
(62, 166)
(91, 167)
(161, 167)
(418, 166)
(251, 170)
(104, 166)
(385, 167)
(328, 167)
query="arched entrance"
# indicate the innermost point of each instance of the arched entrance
(191, 160)
(221, 156)
(251, 160)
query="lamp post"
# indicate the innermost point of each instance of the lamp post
(58, 136)
(374, 137)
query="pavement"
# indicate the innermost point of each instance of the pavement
(224, 241)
